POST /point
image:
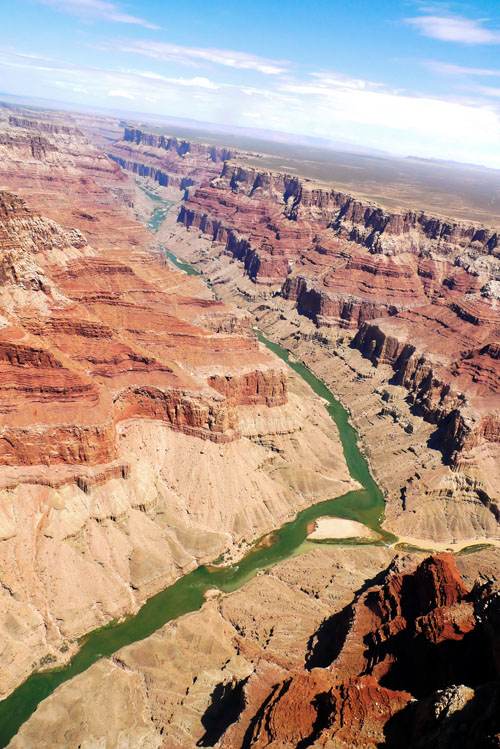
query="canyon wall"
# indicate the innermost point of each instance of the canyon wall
(168, 161)
(141, 422)
(412, 292)
(361, 222)
(181, 147)
(411, 642)
(433, 281)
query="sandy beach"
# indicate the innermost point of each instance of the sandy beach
(331, 527)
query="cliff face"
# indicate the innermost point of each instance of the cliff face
(42, 126)
(181, 147)
(76, 362)
(125, 389)
(376, 668)
(249, 232)
(352, 219)
(408, 657)
(456, 390)
(64, 178)
(170, 162)
(157, 175)
(415, 292)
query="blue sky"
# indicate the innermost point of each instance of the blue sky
(405, 77)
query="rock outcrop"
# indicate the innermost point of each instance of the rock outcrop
(374, 668)
(328, 649)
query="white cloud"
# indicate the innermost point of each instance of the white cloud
(327, 79)
(450, 28)
(197, 81)
(446, 68)
(121, 94)
(167, 52)
(90, 9)
(367, 105)
(324, 105)
(489, 91)
(98, 77)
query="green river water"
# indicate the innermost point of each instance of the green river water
(187, 594)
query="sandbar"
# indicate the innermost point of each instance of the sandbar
(331, 527)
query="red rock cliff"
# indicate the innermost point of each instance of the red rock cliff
(380, 664)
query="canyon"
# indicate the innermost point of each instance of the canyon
(343, 647)
(145, 432)
(126, 392)
(403, 305)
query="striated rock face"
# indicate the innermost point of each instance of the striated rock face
(108, 340)
(413, 292)
(168, 161)
(126, 391)
(410, 637)
(298, 711)
(264, 247)
(42, 126)
(363, 223)
(455, 389)
(157, 175)
(256, 387)
(78, 364)
(181, 147)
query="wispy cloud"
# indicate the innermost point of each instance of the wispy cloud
(446, 68)
(124, 82)
(323, 82)
(371, 104)
(454, 28)
(322, 104)
(92, 9)
(489, 91)
(121, 94)
(195, 56)
(197, 81)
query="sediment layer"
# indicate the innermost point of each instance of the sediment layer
(126, 391)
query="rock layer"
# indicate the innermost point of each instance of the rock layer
(409, 638)
(412, 292)
(125, 392)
